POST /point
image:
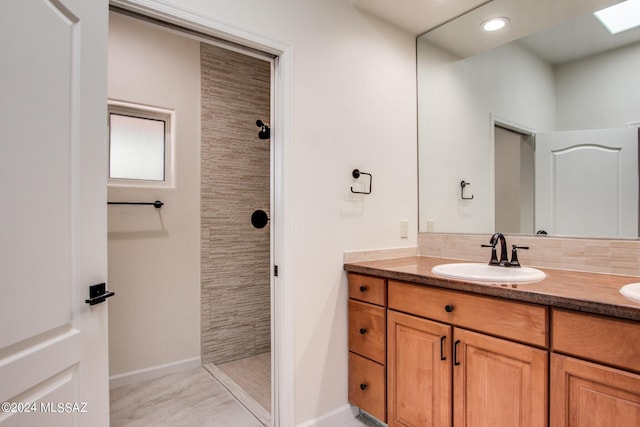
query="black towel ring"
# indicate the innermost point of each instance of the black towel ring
(356, 174)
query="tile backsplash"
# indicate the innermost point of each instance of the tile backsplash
(591, 255)
(379, 254)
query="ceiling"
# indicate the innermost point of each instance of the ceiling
(577, 38)
(564, 39)
(416, 16)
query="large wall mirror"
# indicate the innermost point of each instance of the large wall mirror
(531, 129)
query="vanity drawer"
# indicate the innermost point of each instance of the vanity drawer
(615, 342)
(368, 288)
(367, 330)
(508, 319)
(367, 389)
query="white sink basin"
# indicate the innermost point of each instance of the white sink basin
(631, 291)
(480, 272)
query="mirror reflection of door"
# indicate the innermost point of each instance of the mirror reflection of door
(514, 181)
(588, 171)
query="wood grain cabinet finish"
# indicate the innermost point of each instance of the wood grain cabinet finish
(368, 344)
(368, 331)
(498, 382)
(451, 358)
(513, 320)
(367, 385)
(442, 375)
(419, 372)
(368, 289)
(585, 394)
(607, 340)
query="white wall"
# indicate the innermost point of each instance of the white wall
(457, 98)
(353, 106)
(601, 91)
(154, 255)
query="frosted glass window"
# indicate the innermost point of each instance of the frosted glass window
(136, 148)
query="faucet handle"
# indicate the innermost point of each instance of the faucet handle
(514, 255)
(494, 254)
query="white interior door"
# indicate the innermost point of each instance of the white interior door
(587, 183)
(53, 346)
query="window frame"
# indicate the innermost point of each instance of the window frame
(151, 113)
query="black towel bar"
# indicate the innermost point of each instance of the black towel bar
(157, 204)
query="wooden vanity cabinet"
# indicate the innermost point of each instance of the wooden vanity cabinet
(584, 390)
(422, 356)
(498, 382)
(440, 373)
(419, 371)
(368, 344)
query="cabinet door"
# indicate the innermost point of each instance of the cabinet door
(585, 394)
(418, 372)
(498, 383)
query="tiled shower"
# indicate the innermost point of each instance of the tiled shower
(235, 181)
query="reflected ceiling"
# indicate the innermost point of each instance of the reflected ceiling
(416, 16)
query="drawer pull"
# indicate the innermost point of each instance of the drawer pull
(455, 353)
(363, 288)
(442, 356)
(448, 308)
(363, 386)
(363, 331)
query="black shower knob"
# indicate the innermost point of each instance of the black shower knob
(259, 218)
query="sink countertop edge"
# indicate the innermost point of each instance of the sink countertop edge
(561, 288)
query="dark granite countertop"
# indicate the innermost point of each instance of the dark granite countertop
(587, 292)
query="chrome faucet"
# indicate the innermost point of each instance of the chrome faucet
(504, 259)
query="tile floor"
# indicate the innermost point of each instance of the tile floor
(235, 394)
(191, 398)
(252, 374)
(249, 398)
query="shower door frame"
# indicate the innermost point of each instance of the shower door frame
(282, 346)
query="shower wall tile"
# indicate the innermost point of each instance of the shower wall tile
(235, 181)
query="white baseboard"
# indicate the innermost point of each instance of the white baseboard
(154, 372)
(337, 417)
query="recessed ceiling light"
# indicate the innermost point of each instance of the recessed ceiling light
(620, 17)
(494, 24)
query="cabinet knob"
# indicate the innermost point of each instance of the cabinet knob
(448, 308)
(363, 331)
(363, 386)
(363, 288)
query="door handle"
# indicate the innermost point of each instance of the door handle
(455, 353)
(98, 293)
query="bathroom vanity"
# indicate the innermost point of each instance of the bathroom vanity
(431, 351)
